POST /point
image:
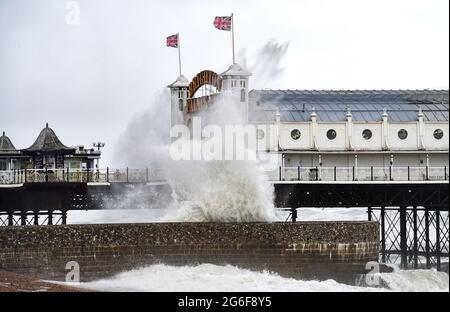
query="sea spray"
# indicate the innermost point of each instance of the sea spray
(202, 190)
(220, 191)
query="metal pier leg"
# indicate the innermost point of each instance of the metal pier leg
(383, 234)
(36, 218)
(438, 240)
(403, 238)
(427, 237)
(10, 218)
(50, 217)
(415, 247)
(23, 218)
(294, 214)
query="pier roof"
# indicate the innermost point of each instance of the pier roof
(48, 142)
(333, 105)
(6, 146)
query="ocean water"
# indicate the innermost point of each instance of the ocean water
(208, 277)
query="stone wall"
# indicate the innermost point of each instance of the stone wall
(308, 250)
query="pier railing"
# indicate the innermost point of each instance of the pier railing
(388, 173)
(149, 175)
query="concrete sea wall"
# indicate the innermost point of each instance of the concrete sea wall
(307, 250)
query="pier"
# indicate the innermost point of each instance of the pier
(411, 204)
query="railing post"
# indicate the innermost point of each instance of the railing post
(409, 173)
(353, 173)
(317, 173)
(390, 173)
(46, 174)
(279, 173)
(298, 173)
(369, 213)
(335, 173)
(445, 172)
(146, 175)
(87, 174)
(107, 174)
(68, 174)
(371, 173)
(14, 176)
(25, 175)
(427, 173)
(127, 174)
(63, 175)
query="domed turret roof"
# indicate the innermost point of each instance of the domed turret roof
(47, 141)
(236, 70)
(6, 144)
(181, 82)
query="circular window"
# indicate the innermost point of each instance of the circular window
(367, 134)
(438, 134)
(402, 134)
(296, 134)
(331, 134)
(260, 134)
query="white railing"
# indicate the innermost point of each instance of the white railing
(389, 173)
(148, 175)
(81, 175)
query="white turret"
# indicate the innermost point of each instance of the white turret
(179, 94)
(235, 79)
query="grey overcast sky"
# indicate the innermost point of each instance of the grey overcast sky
(89, 80)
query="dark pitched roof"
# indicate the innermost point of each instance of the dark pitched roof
(332, 105)
(6, 145)
(47, 141)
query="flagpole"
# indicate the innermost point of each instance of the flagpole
(179, 54)
(232, 37)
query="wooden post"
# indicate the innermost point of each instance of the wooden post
(107, 174)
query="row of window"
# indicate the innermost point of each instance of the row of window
(366, 134)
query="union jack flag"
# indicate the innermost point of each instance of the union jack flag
(223, 22)
(172, 41)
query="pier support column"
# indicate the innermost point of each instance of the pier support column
(294, 214)
(383, 234)
(403, 238)
(50, 217)
(64, 217)
(10, 218)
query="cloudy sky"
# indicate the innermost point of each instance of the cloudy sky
(90, 79)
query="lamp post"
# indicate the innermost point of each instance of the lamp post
(98, 145)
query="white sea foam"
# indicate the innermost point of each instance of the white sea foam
(221, 191)
(208, 277)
